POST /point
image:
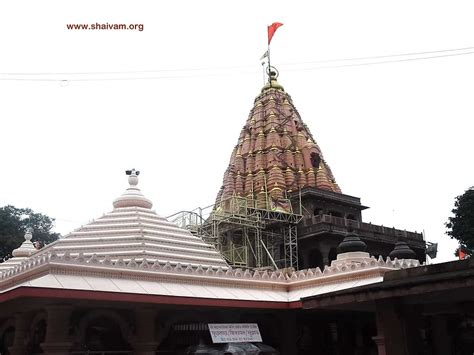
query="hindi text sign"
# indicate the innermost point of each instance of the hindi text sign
(234, 332)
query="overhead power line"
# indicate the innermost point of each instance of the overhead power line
(387, 56)
(382, 62)
(230, 70)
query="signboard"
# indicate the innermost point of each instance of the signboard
(234, 332)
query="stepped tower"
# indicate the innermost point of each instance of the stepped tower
(279, 205)
(275, 155)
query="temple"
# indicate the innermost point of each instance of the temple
(130, 282)
(279, 205)
(280, 264)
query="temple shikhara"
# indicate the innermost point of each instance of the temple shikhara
(282, 263)
(279, 205)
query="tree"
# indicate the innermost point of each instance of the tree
(461, 225)
(13, 224)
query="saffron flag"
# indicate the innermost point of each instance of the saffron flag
(462, 254)
(272, 29)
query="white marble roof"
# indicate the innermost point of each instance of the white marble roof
(137, 232)
(132, 230)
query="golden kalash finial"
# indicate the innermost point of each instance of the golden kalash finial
(272, 83)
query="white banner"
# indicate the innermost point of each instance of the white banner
(234, 332)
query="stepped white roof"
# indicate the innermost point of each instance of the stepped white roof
(133, 231)
(132, 254)
(138, 233)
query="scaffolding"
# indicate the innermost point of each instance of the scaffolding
(247, 236)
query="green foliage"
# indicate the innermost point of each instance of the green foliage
(13, 224)
(461, 225)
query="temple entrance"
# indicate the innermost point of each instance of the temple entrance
(37, 337)
(103, 332)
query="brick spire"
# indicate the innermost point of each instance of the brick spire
(275, 152)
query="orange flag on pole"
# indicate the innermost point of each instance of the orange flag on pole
(272, 29)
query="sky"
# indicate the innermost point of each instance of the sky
(79, 107)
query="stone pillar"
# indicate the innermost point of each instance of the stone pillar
(57, 340)
(380, 342)
(441, 339)
(379, 339)
(145, 337)
(390, 325)
(400, 326)
(21, 334)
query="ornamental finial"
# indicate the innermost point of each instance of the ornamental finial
(132, 177)
(29, 234)
(27, 248)
(132, 197)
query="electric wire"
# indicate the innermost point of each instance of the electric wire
(382, 62)
(238, 67)
(188, 73)
(384, 56)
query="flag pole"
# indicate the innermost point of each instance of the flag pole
(271, 31)
(269, 63)
(263, 72)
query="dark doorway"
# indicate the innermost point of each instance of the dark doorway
(332, 255)
(335, 214)
(318, 211)
(6, 340)
(315, 259)
(104, 334)
(37, 337)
